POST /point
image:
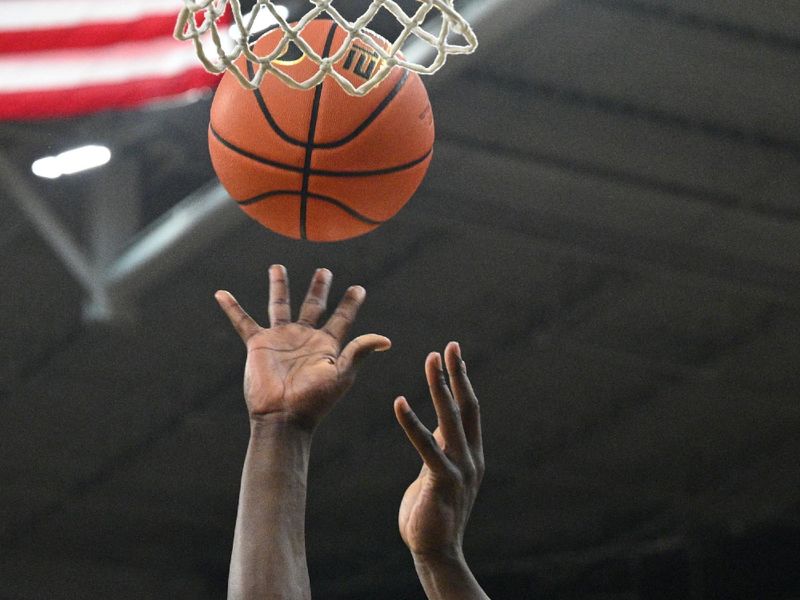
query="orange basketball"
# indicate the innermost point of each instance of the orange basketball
(320, 164)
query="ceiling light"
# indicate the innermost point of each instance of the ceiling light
(71, 161)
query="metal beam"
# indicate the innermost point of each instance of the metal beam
(112, 218)
(180, 233)
(492, 21)
(49, 226)
(496, 20)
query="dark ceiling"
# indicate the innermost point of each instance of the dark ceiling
(611, 229)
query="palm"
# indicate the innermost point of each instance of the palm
(428, 512)
(425, 520)
(294, 369)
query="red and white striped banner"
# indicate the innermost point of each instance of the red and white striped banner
(61, 58)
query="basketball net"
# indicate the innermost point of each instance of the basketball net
(202, 22)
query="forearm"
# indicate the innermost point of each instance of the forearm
(269, 560)
(448, 578)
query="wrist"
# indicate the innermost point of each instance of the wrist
(445, 558)
(278, 425)
(281, 444)
(446, 575)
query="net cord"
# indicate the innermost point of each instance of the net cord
(199, 22)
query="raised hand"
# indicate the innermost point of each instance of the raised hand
(437, 505)
(295, 371)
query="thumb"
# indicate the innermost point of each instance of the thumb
(359, 348)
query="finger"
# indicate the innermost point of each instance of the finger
(243, 323)
(280, 312)
(420, 437)
(361, 347)
(465, 396)
(447, 410)
(316, 298)
(345, 314)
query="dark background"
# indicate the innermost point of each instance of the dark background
(611, 228)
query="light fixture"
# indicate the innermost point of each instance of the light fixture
(71, 162)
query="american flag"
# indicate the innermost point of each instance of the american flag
(61, 58)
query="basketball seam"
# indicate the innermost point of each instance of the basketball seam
(370, 119)
(327, 145)
(312, 130)
(327, 199)
(321, 172)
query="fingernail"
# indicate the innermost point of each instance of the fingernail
(462, 365)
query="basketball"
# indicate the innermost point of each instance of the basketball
(319, 164)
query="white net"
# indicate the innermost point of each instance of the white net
(201, 21)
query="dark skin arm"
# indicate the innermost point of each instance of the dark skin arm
(294, 375)
(436, 506)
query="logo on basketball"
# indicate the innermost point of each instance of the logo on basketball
(291, 56)
(426, 116)
(362, 61)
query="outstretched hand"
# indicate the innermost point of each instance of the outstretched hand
(437, 505)
(295, 371)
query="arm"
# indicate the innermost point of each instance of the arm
(294, 375)
(436, 507)
(269, 553)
